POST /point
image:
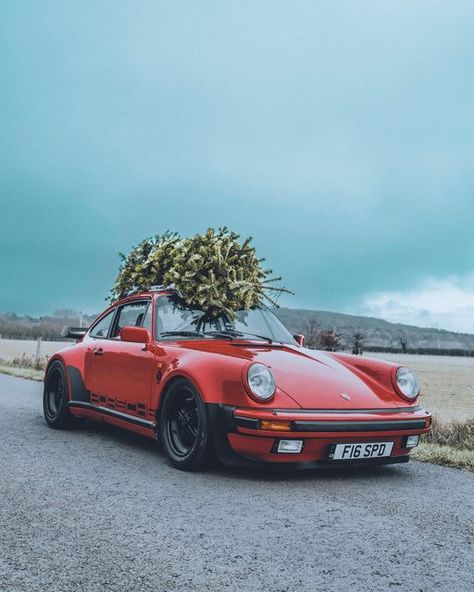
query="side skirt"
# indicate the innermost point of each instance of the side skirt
(132, 419)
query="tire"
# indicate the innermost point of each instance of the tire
(55, 398)
(184, 428)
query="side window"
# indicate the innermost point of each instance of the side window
(129, 315)
(101, 329)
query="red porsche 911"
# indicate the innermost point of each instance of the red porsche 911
(244, 391)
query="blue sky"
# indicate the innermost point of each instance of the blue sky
(339, 135)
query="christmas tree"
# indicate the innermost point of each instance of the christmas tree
(214, 271)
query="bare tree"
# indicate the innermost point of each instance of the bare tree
(329, 340)
(311, 333)
(358, 343)
(404, 344)
(66, 313)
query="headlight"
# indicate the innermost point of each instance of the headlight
(261, 381)
(407, 383)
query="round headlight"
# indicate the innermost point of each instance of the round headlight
(261, 381)
(407, 383)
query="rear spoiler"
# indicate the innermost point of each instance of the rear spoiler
(74, 332)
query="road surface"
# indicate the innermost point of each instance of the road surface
(97, 509)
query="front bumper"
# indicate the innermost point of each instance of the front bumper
(240, 437)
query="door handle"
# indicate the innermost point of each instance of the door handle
(98, 352)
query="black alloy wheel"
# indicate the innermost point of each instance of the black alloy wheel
(184, 427)
(55, 398)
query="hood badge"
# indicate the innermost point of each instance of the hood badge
(346, 396)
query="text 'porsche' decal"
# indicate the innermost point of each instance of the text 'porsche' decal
(139, 409)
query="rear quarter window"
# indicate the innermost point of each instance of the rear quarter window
(101, 329)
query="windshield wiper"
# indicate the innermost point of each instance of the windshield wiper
(235, 334)
(182, 333)
(229, 334)
(226, 334)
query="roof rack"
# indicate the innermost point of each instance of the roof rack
(130, 292)
(156, 288)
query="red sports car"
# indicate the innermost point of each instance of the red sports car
(244, 391)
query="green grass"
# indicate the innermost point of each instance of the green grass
(449, 443)
(25, 366)
(444, 455)
(29, 373)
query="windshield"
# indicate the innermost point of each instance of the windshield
(175, 319)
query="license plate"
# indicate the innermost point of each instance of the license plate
(358, 450)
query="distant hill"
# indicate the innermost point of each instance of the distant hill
(378, 334)
(13, 326)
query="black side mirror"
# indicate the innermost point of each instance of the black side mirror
(299, 339)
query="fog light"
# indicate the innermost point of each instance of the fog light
(412, 441)
(290, 446)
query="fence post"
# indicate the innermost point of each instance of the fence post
(38, 352)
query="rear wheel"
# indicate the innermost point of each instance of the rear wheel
(184, 427)
(55, 398)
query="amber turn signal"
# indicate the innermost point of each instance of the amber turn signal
(276, 426)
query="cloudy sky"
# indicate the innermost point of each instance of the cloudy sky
(340, 135)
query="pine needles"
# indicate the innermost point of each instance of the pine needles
(213, 271)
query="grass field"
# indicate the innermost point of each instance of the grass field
(447, 383)
(12, 348)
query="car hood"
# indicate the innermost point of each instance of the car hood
(314, 380)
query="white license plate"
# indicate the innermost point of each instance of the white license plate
(361, 450)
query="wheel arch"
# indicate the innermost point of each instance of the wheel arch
(72, 361)
(171, 380)
(52, 359)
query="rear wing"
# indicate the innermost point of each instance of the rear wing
(74, 332)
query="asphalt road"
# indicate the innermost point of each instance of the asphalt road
(98, 509)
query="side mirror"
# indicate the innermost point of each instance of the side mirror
(299, 339)
(135, 334)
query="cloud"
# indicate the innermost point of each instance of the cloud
(444, 303)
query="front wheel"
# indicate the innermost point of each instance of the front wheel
(55, 398)
(184, 427)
